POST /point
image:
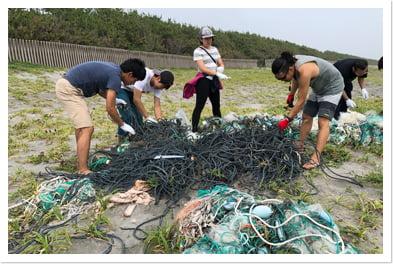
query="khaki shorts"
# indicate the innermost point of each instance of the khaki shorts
(74, 103)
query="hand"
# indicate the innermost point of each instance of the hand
(150, 120)
(128, 128)
(220, 69)
(290, 100)
(221, 76)
(283, 124)
(350, 103)
(365, 94)
(120, 101)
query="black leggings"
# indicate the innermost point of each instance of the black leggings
(203, 91)
(342, 105)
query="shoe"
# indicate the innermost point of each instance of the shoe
(192, 135)
(311, 164)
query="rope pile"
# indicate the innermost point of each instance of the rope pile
(228, 150)
(171, 163)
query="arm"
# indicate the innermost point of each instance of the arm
(344, 95)
(138, 103)
(220, 63)
(361, 82)
(294, 87)
(111, 106)
(157, 108)
(203, 68)
(306, 72)
(363, 87)
(302, 88)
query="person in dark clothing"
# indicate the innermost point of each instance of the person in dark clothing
(351, 69)
(380, 63)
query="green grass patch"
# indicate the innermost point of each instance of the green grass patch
(374, 105)
(375, 177)
(166, 239)
(335, 155)
(18, 66)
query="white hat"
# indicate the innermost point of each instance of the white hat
(206, 33)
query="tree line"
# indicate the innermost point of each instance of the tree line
(127, 29)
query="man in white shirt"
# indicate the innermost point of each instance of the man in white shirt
(130, 103)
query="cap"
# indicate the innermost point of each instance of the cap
(166, 77)
(206, 32)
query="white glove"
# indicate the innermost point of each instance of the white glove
(221, 76)
(151, 120)
(220, 69)
(128, 128)
(350, 103)
(120, 101)
(192, 136)
(365, 93)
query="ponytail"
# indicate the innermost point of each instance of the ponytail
(283, 63)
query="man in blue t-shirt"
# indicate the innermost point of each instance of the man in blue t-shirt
(86, 80)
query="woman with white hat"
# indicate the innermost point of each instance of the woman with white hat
(210, 70)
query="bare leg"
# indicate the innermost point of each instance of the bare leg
(305, 129)
(323, 135)
(83, 138)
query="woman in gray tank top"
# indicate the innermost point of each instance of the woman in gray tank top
(326, 85)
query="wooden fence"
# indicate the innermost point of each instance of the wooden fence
(56, 54)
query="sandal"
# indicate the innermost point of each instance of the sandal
(311, 164)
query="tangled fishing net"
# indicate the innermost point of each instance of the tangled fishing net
(357, 129)
(71, 195)
(225, 221)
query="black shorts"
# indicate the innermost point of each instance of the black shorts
(323, 105)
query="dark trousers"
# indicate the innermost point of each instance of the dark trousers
(342, 105)
(205, 88)
(129, 113)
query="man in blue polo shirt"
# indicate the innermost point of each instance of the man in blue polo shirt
(86, 80)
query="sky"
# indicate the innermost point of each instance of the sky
(353, 31)
(354, 27)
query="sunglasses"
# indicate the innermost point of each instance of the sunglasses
(282, 78)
